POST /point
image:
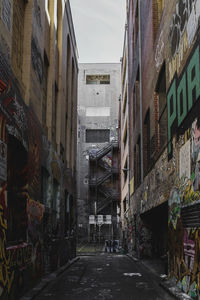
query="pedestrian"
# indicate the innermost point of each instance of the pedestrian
(111, 246)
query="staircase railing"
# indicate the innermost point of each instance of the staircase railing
(99, 180)
(102, 152)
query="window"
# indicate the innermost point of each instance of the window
(54, 115)
(55, 203)
(147, 141)
(162, 108)
(17, 199)
(45, 85)
(97, 135)
(97, 79)
(137, 162)
(18, 35)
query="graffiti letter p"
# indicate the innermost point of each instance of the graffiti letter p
(171, 112)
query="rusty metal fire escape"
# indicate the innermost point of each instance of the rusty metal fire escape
(97, 182)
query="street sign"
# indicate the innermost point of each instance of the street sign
(100, 219)
(108, 219)
(92, 219)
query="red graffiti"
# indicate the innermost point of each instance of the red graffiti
(19, 255)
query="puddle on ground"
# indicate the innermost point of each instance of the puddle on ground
(132, 274)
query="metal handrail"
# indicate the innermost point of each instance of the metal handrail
(103, 151)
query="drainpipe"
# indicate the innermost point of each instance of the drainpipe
(141, 117)
(128, 101)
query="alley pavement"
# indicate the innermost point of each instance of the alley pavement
(105, 276)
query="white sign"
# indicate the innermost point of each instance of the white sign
(108, 219)
(3, 161)
(100, 219)
(92, 219)
(184, 161)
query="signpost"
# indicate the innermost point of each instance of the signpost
(100, 220)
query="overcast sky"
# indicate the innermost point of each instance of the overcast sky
(99, 28)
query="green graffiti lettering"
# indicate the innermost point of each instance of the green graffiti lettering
(182, 91)
(193, 76)
(171, 103)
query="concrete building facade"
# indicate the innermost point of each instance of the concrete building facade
(124, 141)
(97, 162)
(163, 80)
(38, 112)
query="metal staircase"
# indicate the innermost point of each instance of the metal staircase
(109, 194)
(102, 152)
(102, 204)
(99, 180)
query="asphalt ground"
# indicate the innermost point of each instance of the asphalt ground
(105, 276)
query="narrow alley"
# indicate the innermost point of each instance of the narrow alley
(99, 149)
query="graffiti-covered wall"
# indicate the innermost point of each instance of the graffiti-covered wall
(170, 96)
(183, 106)
(184, 208)
(35, 237)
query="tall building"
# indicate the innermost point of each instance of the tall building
(38, 113)
(97, 162)
(164, 99)
(124, 141)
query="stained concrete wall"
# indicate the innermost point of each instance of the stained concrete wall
(94, 95)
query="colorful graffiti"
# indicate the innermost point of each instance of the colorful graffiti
(35, 211)
(6, 274)
(34, 157)
(184, 233)
(174, 207)
(19, 255)
(183, 27)
(13, 110)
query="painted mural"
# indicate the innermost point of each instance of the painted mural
(183, 105)
(182, 32)
(184, 223)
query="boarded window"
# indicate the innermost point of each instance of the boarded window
(98, 79)
(97, 135)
